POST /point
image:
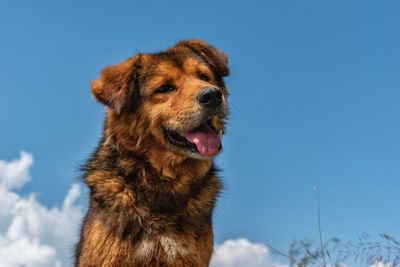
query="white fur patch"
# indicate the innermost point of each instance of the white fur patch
(146, 248)
(170, 246)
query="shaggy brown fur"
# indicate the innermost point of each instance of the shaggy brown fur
(151, 200)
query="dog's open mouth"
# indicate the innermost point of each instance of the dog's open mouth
(203, 139)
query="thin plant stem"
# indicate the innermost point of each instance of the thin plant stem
(319, 226)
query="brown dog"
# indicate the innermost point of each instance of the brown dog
(152, 181)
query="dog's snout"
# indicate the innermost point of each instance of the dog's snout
(210, 97)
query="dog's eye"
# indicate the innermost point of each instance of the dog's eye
(166, 88)
(204, 77)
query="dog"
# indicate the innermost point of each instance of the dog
(153, 183)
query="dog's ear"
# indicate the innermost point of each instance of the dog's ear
(213, 56)
(115, 86)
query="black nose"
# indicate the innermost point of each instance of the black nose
(210, 97)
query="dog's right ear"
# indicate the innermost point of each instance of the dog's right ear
(115, 87)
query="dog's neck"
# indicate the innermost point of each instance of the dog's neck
(153, 178)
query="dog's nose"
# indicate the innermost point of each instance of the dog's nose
(210, 97)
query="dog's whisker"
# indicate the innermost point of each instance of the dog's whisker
(139, 142)
(119, 151)
(107, 141)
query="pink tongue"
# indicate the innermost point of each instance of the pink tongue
(207, 143)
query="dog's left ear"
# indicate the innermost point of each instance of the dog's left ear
(115, 87)
(213, 56)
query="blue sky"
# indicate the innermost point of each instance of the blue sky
(314, 100)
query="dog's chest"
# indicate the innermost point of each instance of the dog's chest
(168, 247)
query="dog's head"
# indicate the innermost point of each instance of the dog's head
(175, 99)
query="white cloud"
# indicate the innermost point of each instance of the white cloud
(381, 264)
(31, 234)
(15, 174)
(242, 253)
